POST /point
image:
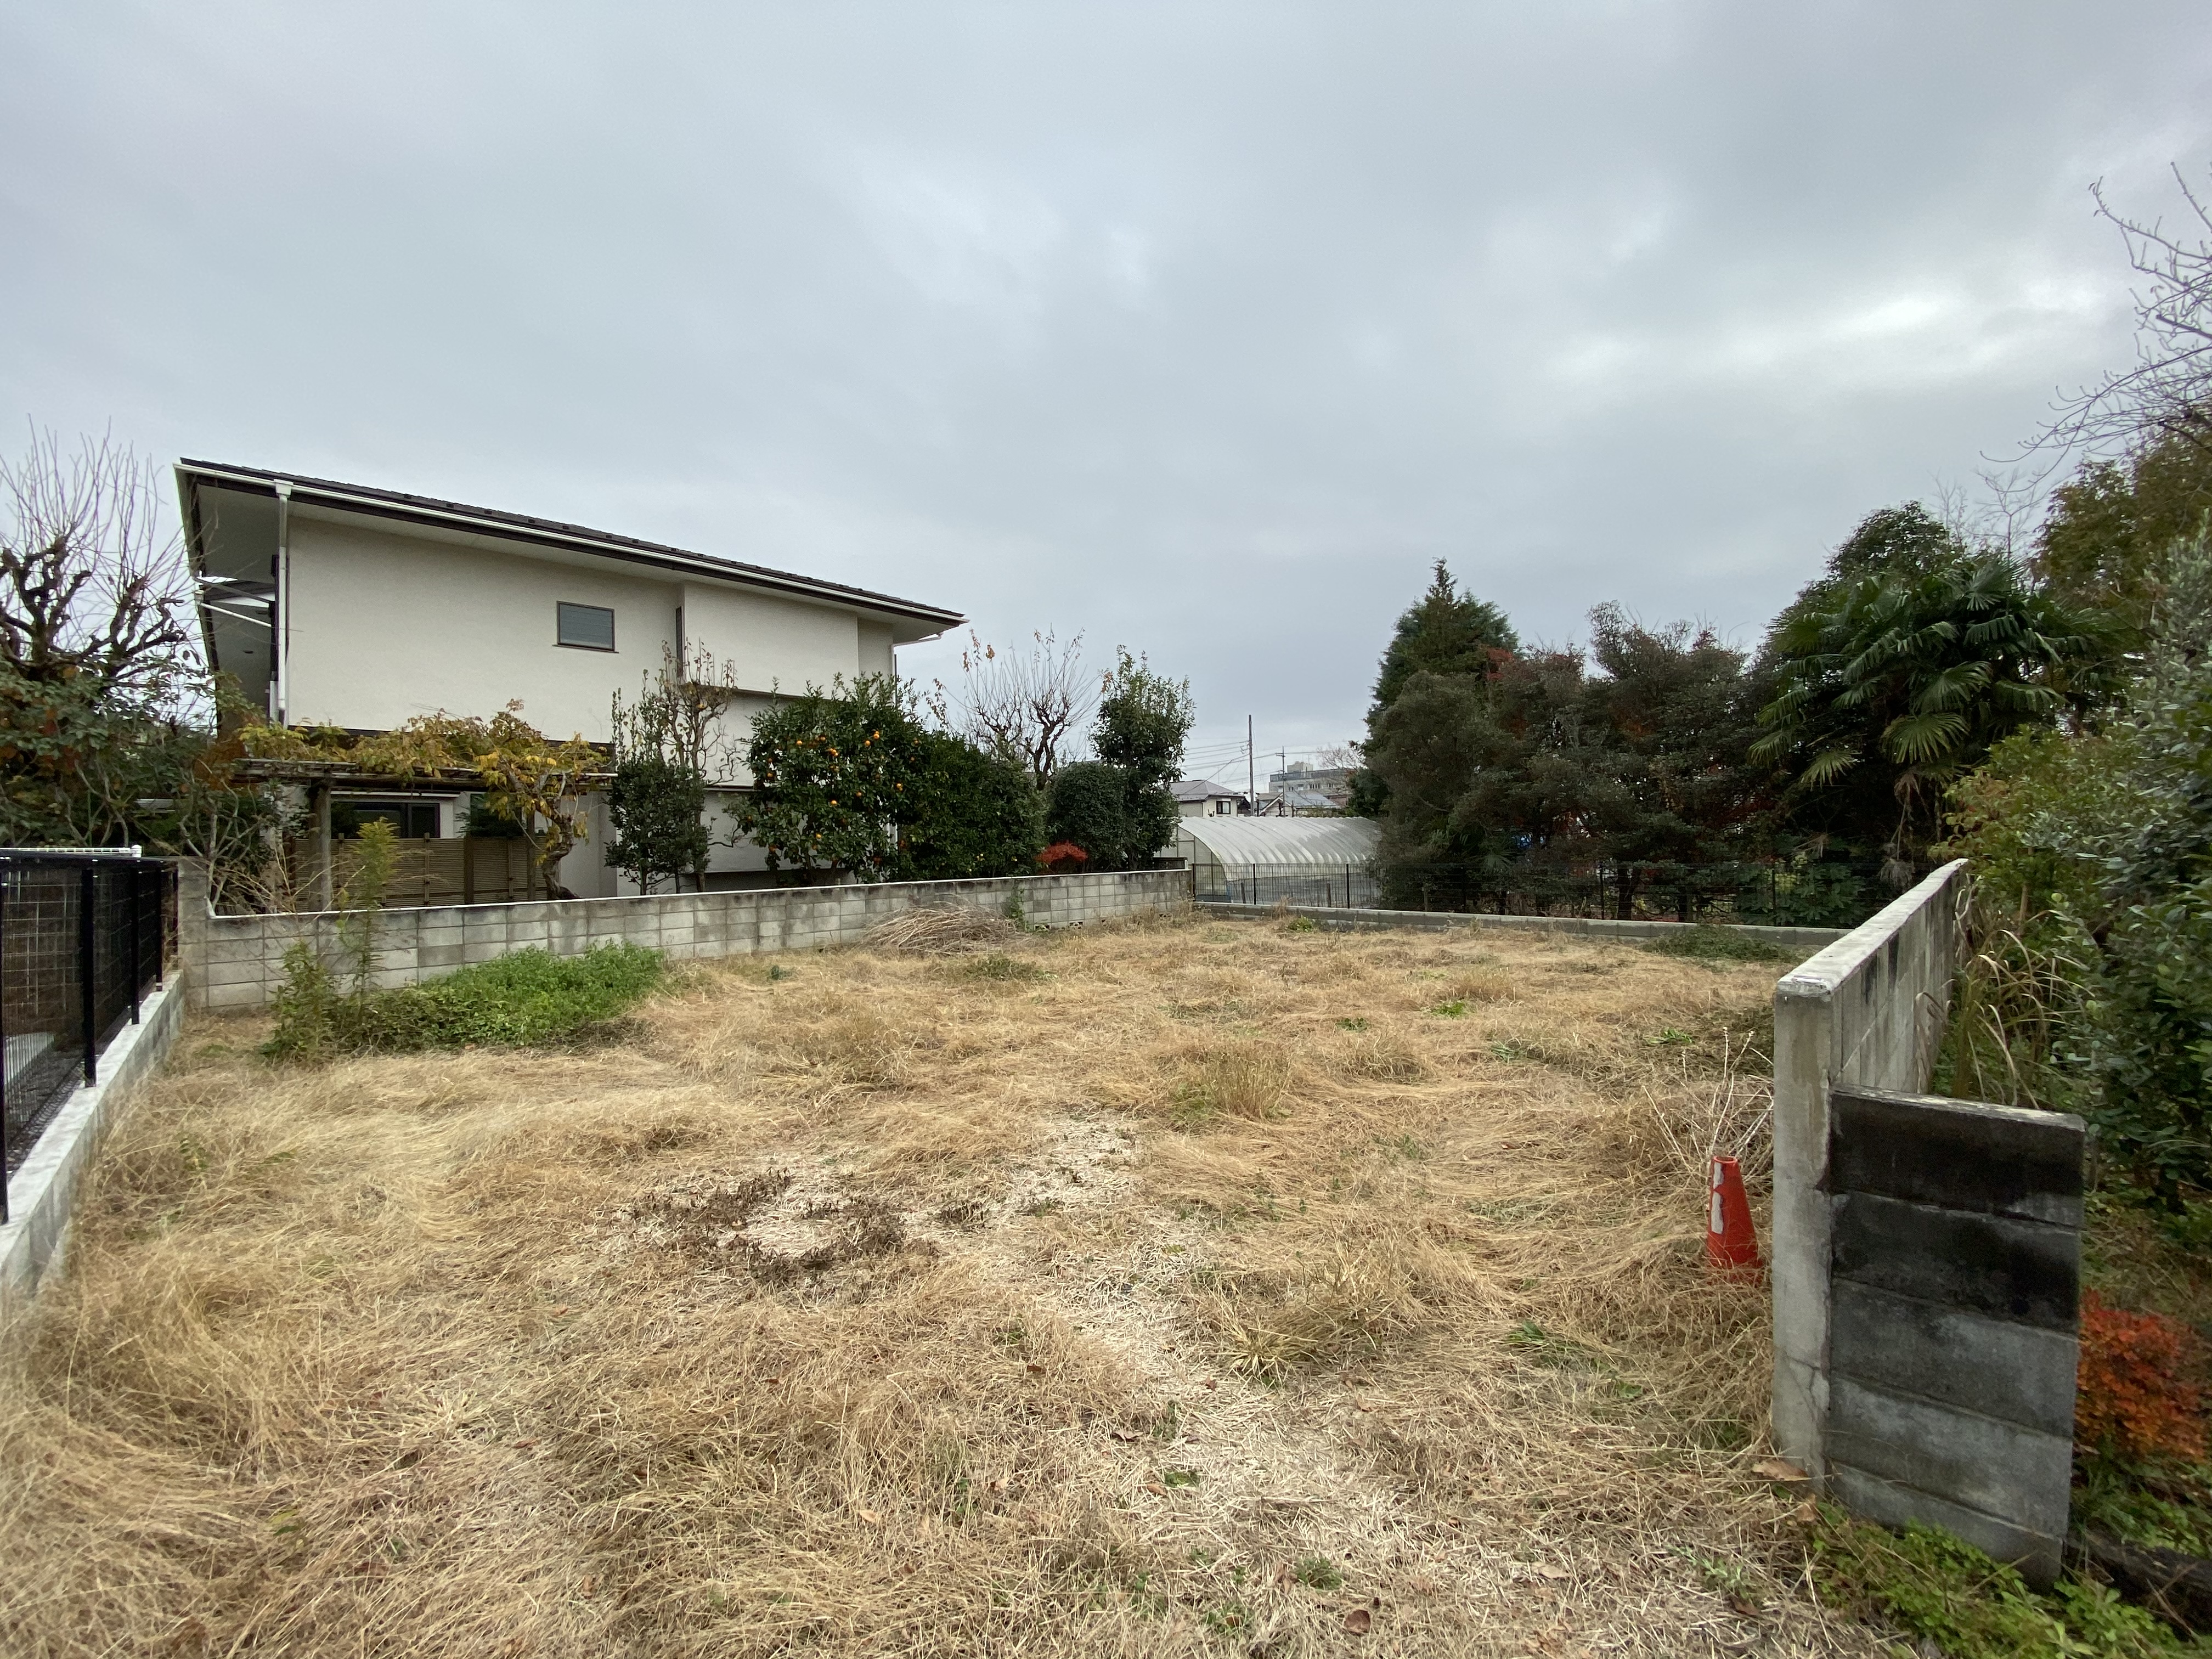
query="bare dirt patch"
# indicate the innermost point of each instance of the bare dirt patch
(1172, 1288)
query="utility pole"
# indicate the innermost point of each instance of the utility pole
(1251, 777)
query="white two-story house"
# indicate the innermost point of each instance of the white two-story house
(341, 605)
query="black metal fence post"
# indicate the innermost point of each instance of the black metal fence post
(87, 947)
(5, 1137)
(137, 926)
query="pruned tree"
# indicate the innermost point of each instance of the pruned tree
(668, 744)
(678, 712)
(91, 587)
(100, 684)
(1030, 706)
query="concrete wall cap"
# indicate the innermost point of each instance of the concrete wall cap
(1829, 966)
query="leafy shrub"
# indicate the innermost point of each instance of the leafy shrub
(304, 1006)
(1064, 858)
(968, 814)
(832, 769)
(2134, 1400)
(1089, 807)
(849, 781)
(309, 1007)
(2095, 849)
(1822, 884)
(657, 807)
(1706, 942)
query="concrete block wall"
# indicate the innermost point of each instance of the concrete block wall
(1868, 1010)
(1925, 1251)
(238, 961)
(40, 1194)
(1955, 1278)
(1807, 939)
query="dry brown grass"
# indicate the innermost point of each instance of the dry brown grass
(898, 1306)
(937, 931)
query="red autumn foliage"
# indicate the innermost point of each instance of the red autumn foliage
(1063, 856)
(2133, 1396)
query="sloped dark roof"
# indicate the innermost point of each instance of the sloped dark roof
(1202, 789)
(548, 532)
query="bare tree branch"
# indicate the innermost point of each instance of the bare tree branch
(2167, 393)
(1030, 707)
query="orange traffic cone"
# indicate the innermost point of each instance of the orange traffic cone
(1730, 1244)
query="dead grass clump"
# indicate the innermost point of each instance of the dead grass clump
(1484, 986)
(1686, 1119)
(1384, 1057)
(856, 1048)
(1242, 1079)
(628, 1138)
(1270, 1323)
(931, 931)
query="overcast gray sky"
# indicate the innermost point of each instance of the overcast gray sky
(1203, 328)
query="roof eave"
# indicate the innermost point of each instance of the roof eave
(575, 538)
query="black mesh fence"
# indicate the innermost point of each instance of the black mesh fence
(1329, 885)
(83, 938)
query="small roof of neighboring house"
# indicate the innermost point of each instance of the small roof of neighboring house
(1305, 800)
(1318, 842)
(193, 476)
(1203, 789)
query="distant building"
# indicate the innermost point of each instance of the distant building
(1197, 798)
(1310, 789)
(1296, 803)
(1328, 780)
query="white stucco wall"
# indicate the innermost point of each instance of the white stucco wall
(876, 656)
(388, 624)
(770, 644)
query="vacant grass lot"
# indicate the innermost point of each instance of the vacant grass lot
(1177, 1287)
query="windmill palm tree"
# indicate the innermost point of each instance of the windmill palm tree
(1894, 683)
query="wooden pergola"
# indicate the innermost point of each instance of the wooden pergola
(319, 778)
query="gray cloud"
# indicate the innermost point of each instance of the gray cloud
(1203, 329)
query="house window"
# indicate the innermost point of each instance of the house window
(586, 627)
(408, 818)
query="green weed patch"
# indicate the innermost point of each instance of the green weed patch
(1707, 943)
(526, 1000)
